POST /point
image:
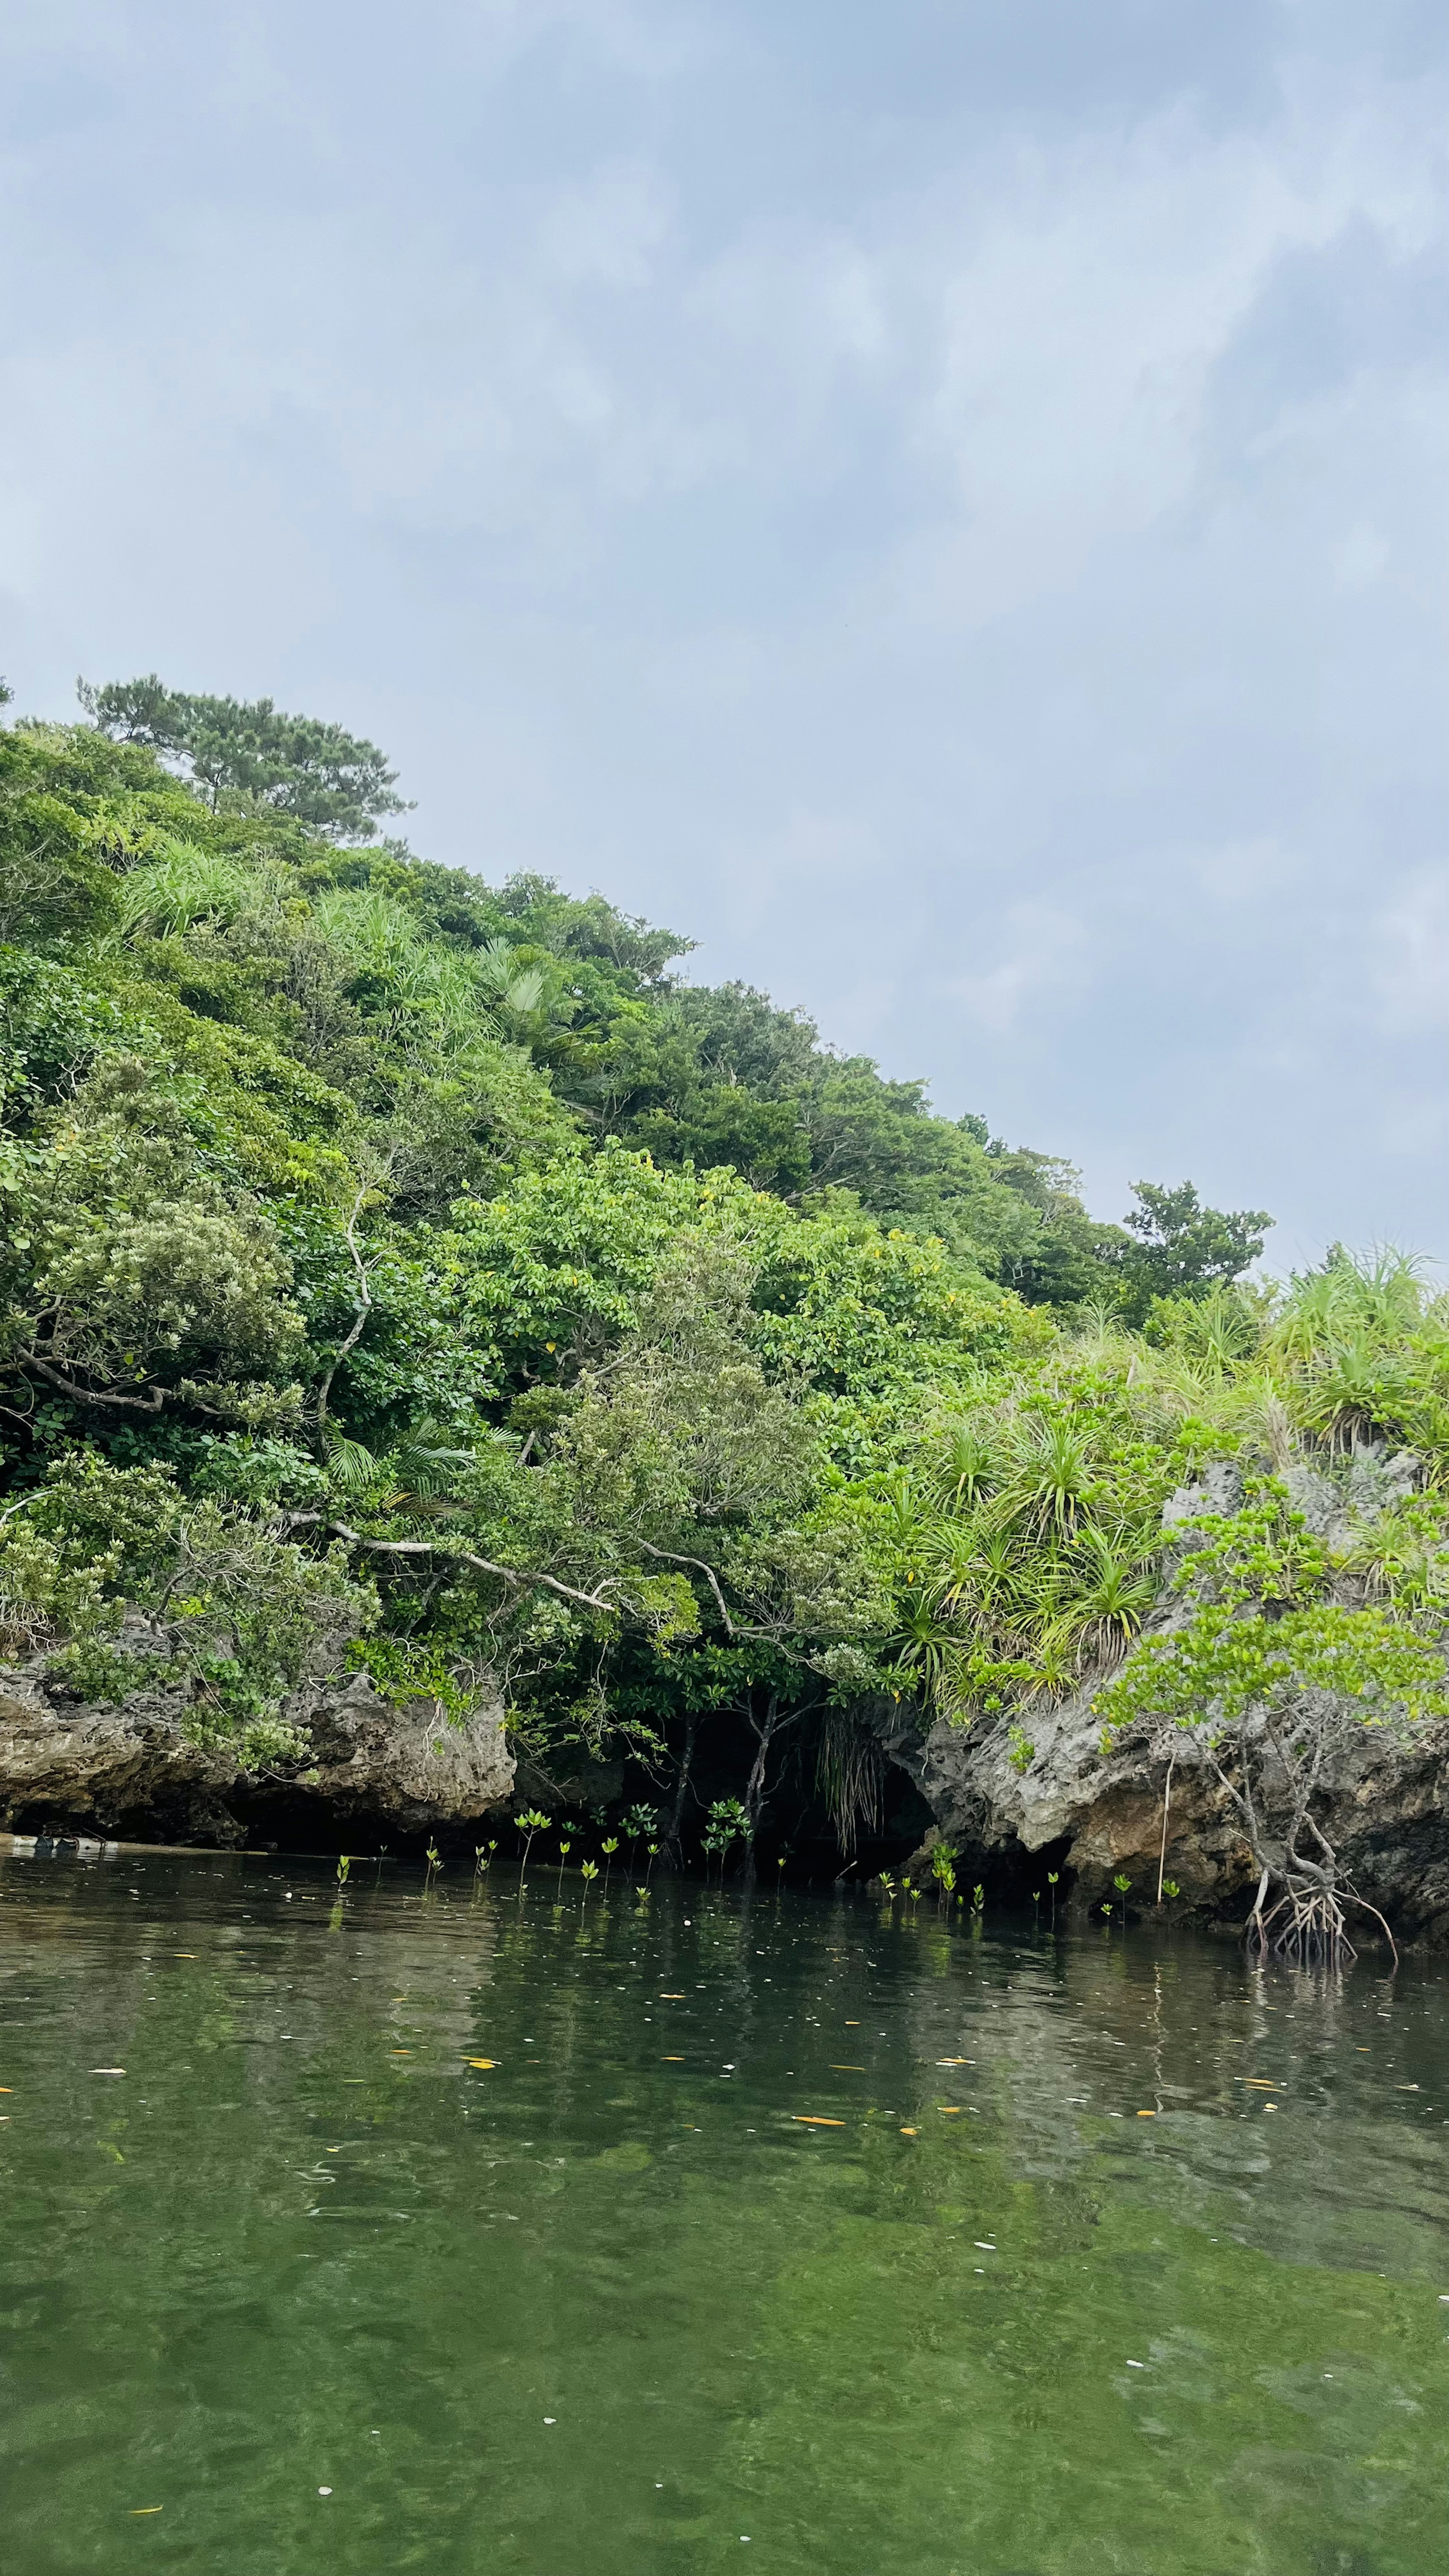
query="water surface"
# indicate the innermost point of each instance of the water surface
(774, 2231)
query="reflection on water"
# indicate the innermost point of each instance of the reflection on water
(889, 2248)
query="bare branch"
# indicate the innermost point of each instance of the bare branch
(364, 1291)
(464, 1556)
(667, 1557)
(151, 1403)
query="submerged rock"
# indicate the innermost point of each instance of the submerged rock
(133, 1770)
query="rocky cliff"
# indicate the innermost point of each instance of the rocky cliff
(135, 1771)
(1146, 1808)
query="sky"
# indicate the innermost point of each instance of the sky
(941, 500)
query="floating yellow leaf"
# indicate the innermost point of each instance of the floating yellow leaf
(847, 2070)
(138, 2509)
(815, 2120)
(472, 2061)
(909, 2133)
(1147, 2115)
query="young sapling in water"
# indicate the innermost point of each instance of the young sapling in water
(532, 1821)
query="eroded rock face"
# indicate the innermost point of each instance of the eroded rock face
(120, 1771)
(409, 1764)
(1384, 1805)
(132, 1771)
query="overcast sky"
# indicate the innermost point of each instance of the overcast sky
(943, 500)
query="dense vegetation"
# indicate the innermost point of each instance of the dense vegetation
(409, 1271)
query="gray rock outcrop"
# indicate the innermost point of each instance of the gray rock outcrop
(1093, 1814)
(132, 1770)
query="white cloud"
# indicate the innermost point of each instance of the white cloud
(1409, 950)
(1047, 952)
(975, 568)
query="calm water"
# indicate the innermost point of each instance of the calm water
(607, 2305)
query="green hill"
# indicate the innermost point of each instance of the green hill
(429, 1269)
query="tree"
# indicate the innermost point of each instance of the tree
(1274, 1679)
(1183, 1249)
(251, 754)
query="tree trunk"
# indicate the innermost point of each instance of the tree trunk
(764, 1732)
(686, 1765)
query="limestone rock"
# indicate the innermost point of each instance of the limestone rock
(133, 1771)
(409, 1764)
(1090, 1814)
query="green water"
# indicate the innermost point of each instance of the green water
(608, 2306)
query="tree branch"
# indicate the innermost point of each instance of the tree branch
(465, 1556)
(151, 1403)
(364, 1290)
(666, 1556)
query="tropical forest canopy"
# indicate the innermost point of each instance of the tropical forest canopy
(425, 1274)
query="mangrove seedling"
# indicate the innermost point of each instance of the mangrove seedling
(565, 1847)
(609, 1848)
(978, 1898)
(532, 1821)
(435, 1863)
(1122, 1884)
(1170, 1887)
(728, 1824)
(653, 1856)
(344, 1866)
(483, 1857)
(588, 1872)
(1052, 1877)
(639, 1824)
